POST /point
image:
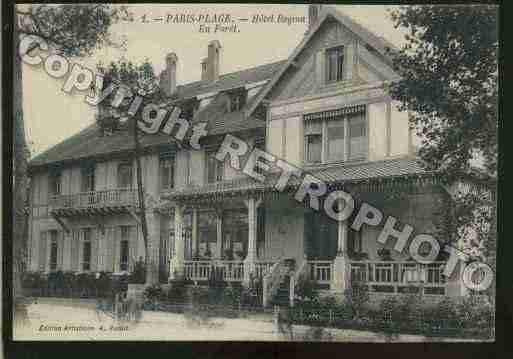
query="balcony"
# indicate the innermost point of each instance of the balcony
(94, 203)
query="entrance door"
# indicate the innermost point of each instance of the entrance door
(320, 236)
(235, 235)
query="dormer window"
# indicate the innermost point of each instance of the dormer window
(54, 184)
(335, 64)
(167, 172)
(237, 100)
(189, 109)
(125, 175)
(88, 178)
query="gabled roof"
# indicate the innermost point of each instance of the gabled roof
(377, 42)
(88, 142)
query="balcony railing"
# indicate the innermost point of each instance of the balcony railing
(262, 267)
(320, 271)
(94, 199)
(230, 271)
(396, 277)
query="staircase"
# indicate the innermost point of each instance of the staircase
(281, 297)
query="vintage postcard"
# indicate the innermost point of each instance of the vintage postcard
(248, 172)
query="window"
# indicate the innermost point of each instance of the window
(124, 249)
(335, 64)
(214, 168)
(125, 175)
(167, 173)
(86, 253)
(357, 136)
(189, 109)
(313, 141)
(336, 144)
(88, 179)
(53, 250)
(338, 138)
(237, 100)
(54, 184)
(123, 262)
(207, 230)
(354, 242)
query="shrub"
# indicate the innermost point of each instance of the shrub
(199, 296)
(357, 296)
(56, 280)
(138, 273)
(120, 283)
(216, 286)
(233, 296)
(177, 292)
(305, 290)
(442, 315)
(153, 294)
(69, 280)
(104, 284)
(252, 294)
(476, 313)
(34, 280)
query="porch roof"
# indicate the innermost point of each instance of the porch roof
(379, 172)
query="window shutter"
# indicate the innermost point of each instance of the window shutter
(132, 241)
(60, 249)
(349, 62)
(73, 249)
(80, 249)
(42, 252)
(100, 251)
(116, 247)
(320, 67)
(94, 249)
(109, 245)
(48, 252)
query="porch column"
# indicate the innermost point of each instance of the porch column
(251, 258)
(219, 233)
(195, 234)
(177, 262)
(341, 267)
(152, 262)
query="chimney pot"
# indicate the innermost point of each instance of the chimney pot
(168, 76)
(314, 12)
(204, 69)
(213, 60)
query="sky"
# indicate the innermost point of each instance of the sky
(52, 115)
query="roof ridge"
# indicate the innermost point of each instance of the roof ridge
(230, 73)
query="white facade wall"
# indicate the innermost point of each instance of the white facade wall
(388, 128)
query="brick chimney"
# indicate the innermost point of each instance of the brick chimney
(204, 64)
(168, 76)
(213, 60)
(314, 13)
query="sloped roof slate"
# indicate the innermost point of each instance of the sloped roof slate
(88, 142)
(349, 173)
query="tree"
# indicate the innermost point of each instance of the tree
(138, 80)
(449, 71)
(73, 30)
